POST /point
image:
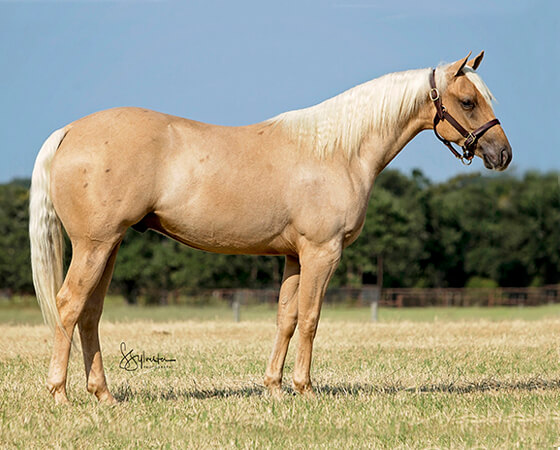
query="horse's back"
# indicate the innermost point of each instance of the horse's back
(223, 189)
(116, 166)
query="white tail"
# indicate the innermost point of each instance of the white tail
(45, 233)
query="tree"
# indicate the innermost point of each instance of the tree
(537, 207)
(487, 229)
(15, 270)
(394, 229)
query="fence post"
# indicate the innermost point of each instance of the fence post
(236, 306)
(374, 295)
(374, 305)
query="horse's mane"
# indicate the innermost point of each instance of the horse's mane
(341, 123)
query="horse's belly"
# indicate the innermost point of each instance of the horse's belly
(225, 228)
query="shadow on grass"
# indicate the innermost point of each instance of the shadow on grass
(458, 387)
(125, 393)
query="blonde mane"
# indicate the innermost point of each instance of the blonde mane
(342, 122)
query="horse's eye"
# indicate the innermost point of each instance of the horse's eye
(467, 104)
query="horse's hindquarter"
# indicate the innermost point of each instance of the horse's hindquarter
(103, 173)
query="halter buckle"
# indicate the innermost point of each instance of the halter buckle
(434, 98)
(470, 140)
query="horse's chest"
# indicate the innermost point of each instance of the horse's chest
(353, 228)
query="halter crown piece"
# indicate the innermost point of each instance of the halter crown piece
(471, 138)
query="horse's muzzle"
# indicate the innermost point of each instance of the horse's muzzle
(497, 159)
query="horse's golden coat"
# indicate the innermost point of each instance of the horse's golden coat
(253, 189)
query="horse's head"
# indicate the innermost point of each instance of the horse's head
(464, 115)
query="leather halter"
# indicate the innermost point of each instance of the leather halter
(471, 139)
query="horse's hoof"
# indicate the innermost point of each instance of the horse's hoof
(276, 392)
(107, 399)
(309, 393)
(304, 389)
(60, 399)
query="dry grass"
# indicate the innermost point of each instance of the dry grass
(398, 384)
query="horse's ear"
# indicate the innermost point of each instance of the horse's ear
(474, 63)
(456, 68)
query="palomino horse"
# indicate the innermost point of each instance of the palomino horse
(296, 185)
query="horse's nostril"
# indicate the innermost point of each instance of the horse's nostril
(504, 156)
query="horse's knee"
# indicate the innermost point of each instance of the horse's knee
(308, 326)
(287, 327)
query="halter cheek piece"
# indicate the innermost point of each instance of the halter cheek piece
(471, 139)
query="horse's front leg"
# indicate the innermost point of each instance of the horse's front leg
(318, 264)
(285, 325)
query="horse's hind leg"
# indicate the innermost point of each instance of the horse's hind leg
(89, 260)
(88, 324)
(285, 325)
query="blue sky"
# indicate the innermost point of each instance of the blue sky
(240, 62)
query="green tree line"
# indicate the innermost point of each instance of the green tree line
(471, 230)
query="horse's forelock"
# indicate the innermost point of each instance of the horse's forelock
(476, 79)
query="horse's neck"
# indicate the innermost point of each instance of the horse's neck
(366, 126)
(378, 150)
(397, 109)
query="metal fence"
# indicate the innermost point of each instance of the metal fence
(471, 296)
(388, 297)
(391, 297)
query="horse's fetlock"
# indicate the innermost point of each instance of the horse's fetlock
(55, 385)
(271, 380)
(302, 385)
(92, 387)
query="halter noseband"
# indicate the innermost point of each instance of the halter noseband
(471, 139)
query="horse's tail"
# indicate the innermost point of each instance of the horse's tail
(45, 233)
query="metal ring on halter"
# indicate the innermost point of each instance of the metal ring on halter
(436, 98)
(463, 159)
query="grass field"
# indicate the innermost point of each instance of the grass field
(443, 378)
